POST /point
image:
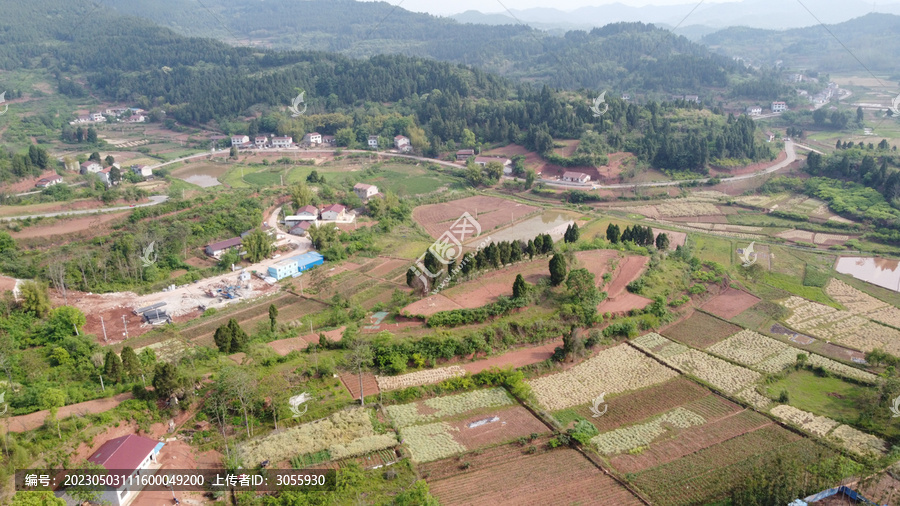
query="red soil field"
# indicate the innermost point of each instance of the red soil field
(690, 441)
(93, 224)
(34, 420)
(516, 358)
(7, 284)
(596, 261)
(631, 408)
(351, 383)
(730, 303)
(675, 238)
(560, 476)
(514, 422)
(700, 330)
(620, 300)
(482, 290)
(285, 346)
(489, 212)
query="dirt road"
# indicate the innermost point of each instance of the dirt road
(34, 420)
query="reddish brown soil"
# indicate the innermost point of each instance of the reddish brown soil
(700, 330)
(489, 212)
(675, 238)
(66, 206)
(7, 284)
(92, 224)
(620, 300)
(841, 353)
(514, 422)
(285, 346)
(482, 290)
(516, 358)
(386, 267)
(690, 441)
(34, 420)
(730, 303)
(25, 185)
(351, 383)
(180, 455)
(710, 218)
(634, 407)
(508, 476)
(596, 261)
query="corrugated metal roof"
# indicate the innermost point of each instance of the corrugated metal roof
(126, 452)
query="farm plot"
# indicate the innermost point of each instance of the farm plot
(842, 327)
(852, 439)
(700, 330)
(620, 300)
(489, 212)
(480, 291)
(677, 209)
(863, 304)
(418, 378)
(559, 476)
(689, 441)
(720, 374)
(633, 407)
(611, 371)
(169, 350)
(466, 422)
(730, 303)
(344, 434)
(709, 474)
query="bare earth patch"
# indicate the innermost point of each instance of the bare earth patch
(730, 303)
(489, 212)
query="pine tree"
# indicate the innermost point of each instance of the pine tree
(612, 233)
(112, 367)
(662, 241)
(557, 270)
(131, 364)
(273, 317)
(519, 287)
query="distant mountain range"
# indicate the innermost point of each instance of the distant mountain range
(867, 43)
(691, 22)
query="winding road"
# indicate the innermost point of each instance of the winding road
(154, 200)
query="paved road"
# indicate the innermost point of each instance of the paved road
(154, 200)
(788, 147)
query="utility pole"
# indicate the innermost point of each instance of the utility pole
(102, 324)
(125, 322)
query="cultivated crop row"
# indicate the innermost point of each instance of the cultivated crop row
(852, 439)
(715, 371)
(863, 304)
(414, 379)
(843, 327)
(636, 436)
(429, 442)
(611, 371)
(437, 408)
(344, 434)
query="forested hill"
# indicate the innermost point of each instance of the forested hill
(874, 39)
(625, 56)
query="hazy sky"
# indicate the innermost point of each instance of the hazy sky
(440, 7)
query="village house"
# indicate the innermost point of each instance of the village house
(301, 229)
(285, 142)
(364, 191)
(464, 154)
(373, 141)
(306, 213)
(260, 141)
(116, 111)
(105, 176)
(334, 212)
(328, 140)
(754, 110)
(402, 143)
(48, 181)
(97, 117)
(239, 140)
(312, 138)
(91, 167)
(779, 107)
(576, 177)
(505, 162)
(142, 170)
(692, 98)
(132, 455)
(216, 249)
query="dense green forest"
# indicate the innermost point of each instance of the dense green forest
(625, 56)
(867, 43)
